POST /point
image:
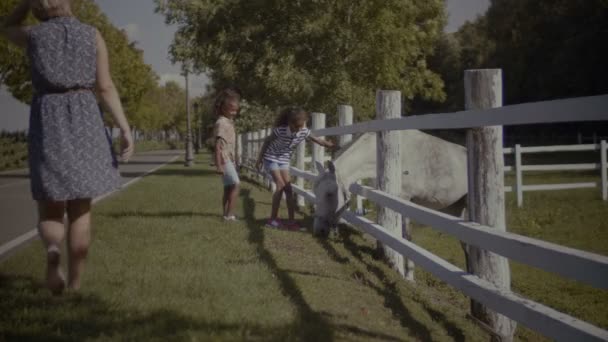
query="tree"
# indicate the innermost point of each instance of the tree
(133, 78)
(312, 53)
(550, 49)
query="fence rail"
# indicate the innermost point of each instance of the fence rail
(568, 262)
(519, 168)
(592, 108)
(535, 315)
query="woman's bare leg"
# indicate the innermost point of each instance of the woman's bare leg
(52, 232)
(79, 217)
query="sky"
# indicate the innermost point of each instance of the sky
(148, 29)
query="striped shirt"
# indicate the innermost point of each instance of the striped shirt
(281, 148)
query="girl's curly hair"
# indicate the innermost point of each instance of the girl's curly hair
(291, 115)
(224, 96)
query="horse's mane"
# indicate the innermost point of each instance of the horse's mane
(344, 148)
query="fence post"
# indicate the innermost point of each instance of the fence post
(519, 189)
(261, 136)
(273, 185)
(243, 157)
(264, 180)
(300, 164)
(345, 118)
(262, 177)
(388, 167)
(318, 152)
(239, 149)
(486, 198)
(603, 151)
(255, 149)
(250, 152)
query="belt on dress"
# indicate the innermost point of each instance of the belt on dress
(67, 91)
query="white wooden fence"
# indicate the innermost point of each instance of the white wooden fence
(575, 264)
(519, 169)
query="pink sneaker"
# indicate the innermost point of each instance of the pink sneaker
(276, 224)
(294, 226)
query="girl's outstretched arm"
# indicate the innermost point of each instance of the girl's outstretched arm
(322, 142)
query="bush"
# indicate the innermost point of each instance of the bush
(13, 152)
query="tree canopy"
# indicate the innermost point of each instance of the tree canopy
(546, 49)
(316, 54)
(133, 78)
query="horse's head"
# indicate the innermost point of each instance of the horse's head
(331, 199)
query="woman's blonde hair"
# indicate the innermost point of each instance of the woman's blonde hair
(46, 9)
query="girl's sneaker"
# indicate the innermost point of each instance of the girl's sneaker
(230, 218)
(273, 224)
(294, 226)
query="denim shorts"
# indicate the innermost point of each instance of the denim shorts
(231, 177)
(270, 165)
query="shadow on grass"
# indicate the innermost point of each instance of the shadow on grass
(388, 288)
(310, 325)
(187, 172)
(147, 162)
(160, 214)
(30, 313)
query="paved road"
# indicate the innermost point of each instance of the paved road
(18, 211)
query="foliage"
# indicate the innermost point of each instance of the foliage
(315, 54)
(13, 150)
(546, 50)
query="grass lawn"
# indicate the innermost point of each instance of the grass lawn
(164, 266)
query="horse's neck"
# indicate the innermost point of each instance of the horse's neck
(357, 162)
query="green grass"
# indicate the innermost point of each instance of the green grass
(573, 218)
(164, 266)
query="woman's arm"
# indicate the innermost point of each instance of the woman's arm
(109, 97)
(322, 142)
(12, 29)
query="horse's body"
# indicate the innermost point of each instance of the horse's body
(434, 175)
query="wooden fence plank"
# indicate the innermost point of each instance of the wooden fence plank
(592, 108)
(541, 318)
(583, 266)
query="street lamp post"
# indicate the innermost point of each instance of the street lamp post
(189, 156)
(197, 129)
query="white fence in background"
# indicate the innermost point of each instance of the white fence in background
(519, 169)
(575, 264)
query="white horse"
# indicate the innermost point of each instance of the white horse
(434, 175)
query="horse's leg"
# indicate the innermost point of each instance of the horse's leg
(406, 233)
(459, 209)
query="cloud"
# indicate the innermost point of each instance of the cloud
(198, 83)
(132, 31)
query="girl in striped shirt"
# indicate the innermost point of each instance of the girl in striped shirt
(289, 131)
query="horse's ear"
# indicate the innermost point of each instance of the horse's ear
(332, 167)
(320, 168)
